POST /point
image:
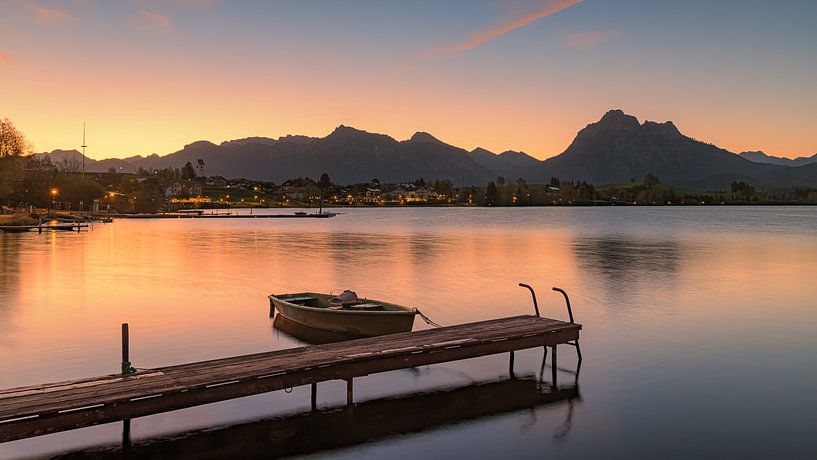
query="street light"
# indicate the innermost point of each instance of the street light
(54, 193)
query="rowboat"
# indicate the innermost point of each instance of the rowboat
(344, 314)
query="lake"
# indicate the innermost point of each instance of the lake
(699, 339)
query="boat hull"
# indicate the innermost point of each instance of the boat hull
(349, 323)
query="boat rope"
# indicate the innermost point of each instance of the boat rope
(426, 318)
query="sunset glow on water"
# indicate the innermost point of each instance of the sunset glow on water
(685, 311)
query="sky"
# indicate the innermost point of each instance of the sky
(150, 76)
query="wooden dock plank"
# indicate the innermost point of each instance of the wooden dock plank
(67, 405)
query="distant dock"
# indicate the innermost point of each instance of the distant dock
(61, 226)
(202, 215)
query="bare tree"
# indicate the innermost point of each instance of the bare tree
(12, 141)
(72, 164)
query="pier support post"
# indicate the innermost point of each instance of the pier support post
(350, 399)
(510, 364)
(127, 368)
(126, 442)
(314, 396)
(553, 365)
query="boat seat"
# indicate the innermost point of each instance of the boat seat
(366, 306)
(298, 299)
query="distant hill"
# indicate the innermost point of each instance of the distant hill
(760, 157)
(615, 149)
(509, 164)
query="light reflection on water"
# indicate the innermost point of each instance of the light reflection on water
(699, 322)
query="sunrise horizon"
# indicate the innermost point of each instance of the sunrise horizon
(152, 77)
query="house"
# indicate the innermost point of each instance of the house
(200, 168)
(194, 189)
(174, 189)
(216, 181)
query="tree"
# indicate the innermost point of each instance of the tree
(651, 180)
(500, 181)
(491, 194)
(188, 173)
(742, 190)
(12, 141)
(324, 182)
(555, 182)
(70, 164)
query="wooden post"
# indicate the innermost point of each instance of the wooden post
(126, 365)
(510, 365)
(553, 364)
(349, 392)
(314, 396)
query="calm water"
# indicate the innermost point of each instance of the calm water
(700, 324)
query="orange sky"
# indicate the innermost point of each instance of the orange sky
(151, 76)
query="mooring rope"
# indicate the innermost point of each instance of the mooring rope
(426, 318)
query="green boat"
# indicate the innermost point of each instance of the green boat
(344, 314)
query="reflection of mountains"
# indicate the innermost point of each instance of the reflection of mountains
(339, 427)
(621, 257)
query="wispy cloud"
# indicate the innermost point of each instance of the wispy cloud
(47, 15)
(479, 38)
(205, 3)
(155, 19)
(5, 59)
(588, 39)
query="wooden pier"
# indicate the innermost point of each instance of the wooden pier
(47, 408)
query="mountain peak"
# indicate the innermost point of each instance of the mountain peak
(667, 129)
(343, 130)
(199, 145)
(422, 136)
(617, 120)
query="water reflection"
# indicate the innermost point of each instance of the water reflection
(653, 288)
(344, 426)
(619, 258)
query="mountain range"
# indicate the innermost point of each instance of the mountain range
(615, 149)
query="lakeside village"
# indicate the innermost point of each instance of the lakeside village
(43, 187)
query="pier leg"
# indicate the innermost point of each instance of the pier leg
(126, 442)
(553, 365)
(314, 396)
(350, 400)
(579, 352)
(544, 363)
(510, 365)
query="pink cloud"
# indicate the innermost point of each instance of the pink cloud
(47, 15)
(155, 19)
(588, 39)
(484, 36)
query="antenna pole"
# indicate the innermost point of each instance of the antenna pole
(83, 150)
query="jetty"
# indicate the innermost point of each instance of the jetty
(55, 226)
(52, 407)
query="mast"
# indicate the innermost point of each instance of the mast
(83, 152)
